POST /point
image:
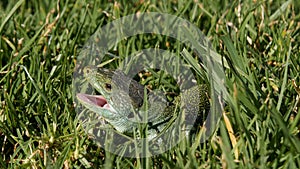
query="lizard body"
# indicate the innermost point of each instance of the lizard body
(121, 103)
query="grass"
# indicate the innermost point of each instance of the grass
(259, 40)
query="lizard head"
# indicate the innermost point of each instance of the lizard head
(113, 105)
(100, 79)
(110, 84)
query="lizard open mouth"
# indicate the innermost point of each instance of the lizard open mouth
(95, 100)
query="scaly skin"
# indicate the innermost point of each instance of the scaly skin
(122, 99)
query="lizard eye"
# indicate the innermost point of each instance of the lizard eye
(108, 86)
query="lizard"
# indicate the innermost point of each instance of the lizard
(121, 102)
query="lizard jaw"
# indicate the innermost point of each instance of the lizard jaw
(96, 100)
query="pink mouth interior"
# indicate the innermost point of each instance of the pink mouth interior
(94, 99)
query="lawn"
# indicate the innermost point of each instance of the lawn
(256, 43)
